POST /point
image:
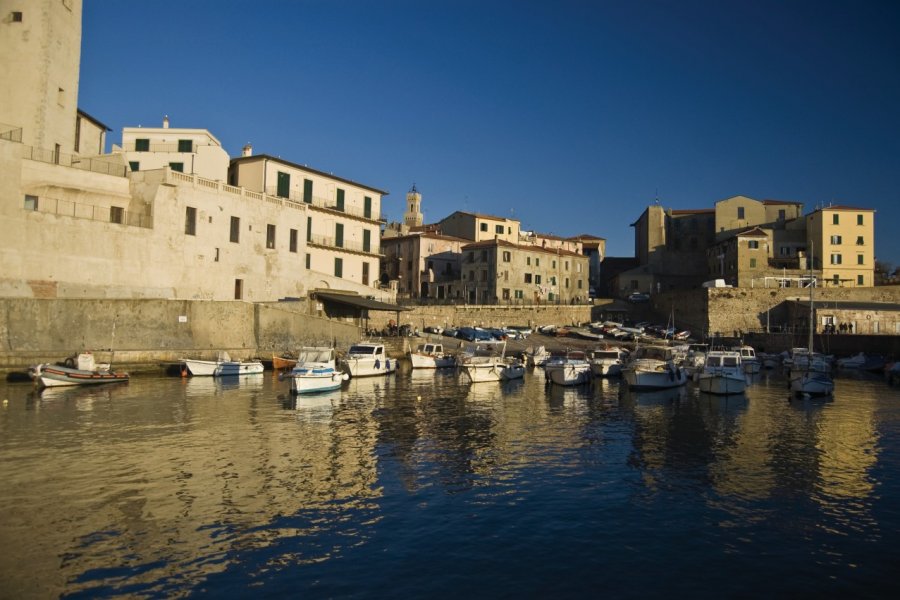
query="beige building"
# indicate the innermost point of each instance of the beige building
(79, 224)
(422, 265)
(498, 271)
(478, 227)
(343, 217)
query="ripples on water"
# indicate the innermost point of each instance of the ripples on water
(422, 484)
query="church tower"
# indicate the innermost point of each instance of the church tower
(413, 216)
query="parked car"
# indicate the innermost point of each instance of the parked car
(521, 332)
(637, 297)
(450, 332)
(434, 329)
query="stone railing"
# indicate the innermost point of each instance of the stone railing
(330, 242)
(218, 186)
(317, 202)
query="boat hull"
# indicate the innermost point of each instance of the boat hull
(428, 361)
(638, 379)
(320, 380)
(721, 384)
(54, 376)
(510, 372)
(369, 367)
(570, 374)
(234, 368)
(481, 372)
(812, 384)
(606, 369)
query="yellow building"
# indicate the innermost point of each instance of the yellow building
(842, 245)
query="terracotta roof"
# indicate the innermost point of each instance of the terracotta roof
(426, 235)
(586, 236)
(752, 232)
(525, 248)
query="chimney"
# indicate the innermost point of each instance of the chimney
(166, 122)
(247, 150)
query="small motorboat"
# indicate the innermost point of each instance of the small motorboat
(316, 371)
(222, 367)
(84, 372)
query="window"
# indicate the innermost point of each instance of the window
(339, 235)
(338, 267)
(134, 165)
(860, 259)
(340, 200)
(580, 282)
(484, 275)
(537, 262)
(484, 227)
(238, 289)
(367, 240)
(537, 280)
(784, 251)
(308, 229)
(16, 16)
(835, 259)
(553, 264)
(177, 166)
(567, 283)
(78, 134)
(578, 268)
(860, 280)
(284, 185)
(528, 260)
(740, 212)
(292, 247)
(835, 219)
(859, 241)
(836, 240)
(365, 273)
(527, 277)
(307, 190)
(859, 219)
(190, 220)
(31, 202)
(498, 229)
(781, 214)
(116, 214)
(308, 260)
(185, 145)
(518, 294)
(270, 237)
(484, 256)
(367, 207)
(505, 294)
(142, 145)
(753, 244)
(752, 263)
(216, 259)
(235, 230)
(567, 265)
(507, 256)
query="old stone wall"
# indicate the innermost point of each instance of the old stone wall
(485, 316)
(146, 332)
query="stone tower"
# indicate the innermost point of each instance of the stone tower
(413, 216)
(41, 49)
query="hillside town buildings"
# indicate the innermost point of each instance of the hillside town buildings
(167, 213)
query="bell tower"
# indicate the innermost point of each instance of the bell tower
(413, 216)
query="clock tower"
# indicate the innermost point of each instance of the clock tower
(413, 216)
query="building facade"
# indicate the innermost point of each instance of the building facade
(479, 227)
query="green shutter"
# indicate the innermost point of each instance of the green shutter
(338, 267)
(367, 240)
(307, 190)
(339, 235)
(308, 229)
(367, 207)
(284, 184)
(340, 199)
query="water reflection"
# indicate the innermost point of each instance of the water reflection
(181, 481)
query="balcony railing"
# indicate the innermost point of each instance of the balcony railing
(10, 133)
(326, 204)
(92, 212)
(94, 165)
(330, 242)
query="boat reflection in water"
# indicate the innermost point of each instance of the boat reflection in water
(566, 396)
(204, 386)
(314, 407)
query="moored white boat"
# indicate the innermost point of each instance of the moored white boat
(811, 383)
(222, 367)
(750, 362)
(608, 362)
(87, 373)
(513, 368)
(571, 369)
(367, 359)
(316, 371)
(484, 362)
(653, 367)
(431, 356)
(723, 373)
(536, 356)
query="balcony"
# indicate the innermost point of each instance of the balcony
(10, 133)
(328, 205)
(331, 243)
(92, 212)
(94, 165)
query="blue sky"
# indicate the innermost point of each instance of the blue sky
(569, 116)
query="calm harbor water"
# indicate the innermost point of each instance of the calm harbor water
(421, 485)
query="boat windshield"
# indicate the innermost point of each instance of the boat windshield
(362, 350)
